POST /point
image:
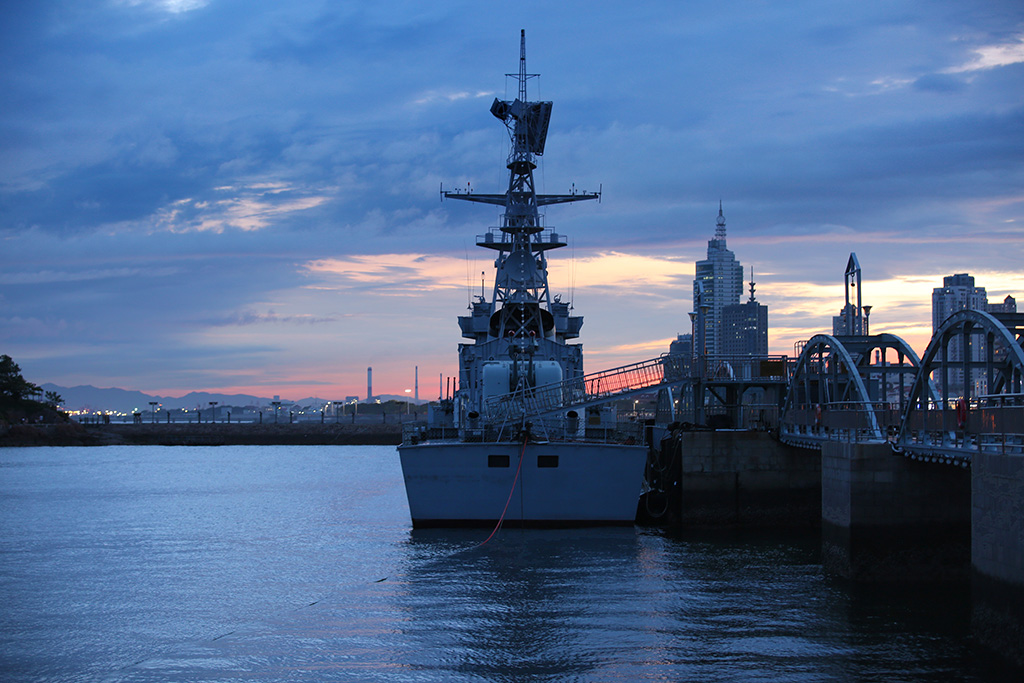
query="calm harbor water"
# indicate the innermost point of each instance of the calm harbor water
(300, 564)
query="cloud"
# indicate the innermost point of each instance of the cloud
(435, 96)
(170, 6)
(243, 318)
(247, 208)
(37, 277)
(992, 56)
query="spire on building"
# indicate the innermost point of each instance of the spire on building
(720, 224)
(752, 283)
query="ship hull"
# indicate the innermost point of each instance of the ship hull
(451, 484)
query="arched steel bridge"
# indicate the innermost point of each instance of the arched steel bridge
(964, 395)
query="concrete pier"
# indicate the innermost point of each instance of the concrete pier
(747, 478)
(888, 518)
(997, 553)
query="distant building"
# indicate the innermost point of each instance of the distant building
(682, 347)
(745, 327)
(840, 324)
(958, 293)
(1009, 305)
(718, 283)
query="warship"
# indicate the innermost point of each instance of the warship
(508, 446)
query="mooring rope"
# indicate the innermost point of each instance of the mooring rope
(519, 467)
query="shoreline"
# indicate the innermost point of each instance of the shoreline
(202, 434)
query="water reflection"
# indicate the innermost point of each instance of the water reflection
(529, 603)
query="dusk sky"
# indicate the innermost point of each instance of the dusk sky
(243, 195)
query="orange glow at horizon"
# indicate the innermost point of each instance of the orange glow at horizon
(652, 293)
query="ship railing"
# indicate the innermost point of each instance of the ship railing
(549, 428)
(555, 427)
(495, 236)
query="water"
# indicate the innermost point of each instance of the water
(299, 564)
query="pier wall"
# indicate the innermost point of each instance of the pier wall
(201, 434)
(997, 552)
(888, 518)
(747, 478)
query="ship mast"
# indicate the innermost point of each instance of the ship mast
(522, 301)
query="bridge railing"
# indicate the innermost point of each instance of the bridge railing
(988, 423)
(840, 421)
(745, 368)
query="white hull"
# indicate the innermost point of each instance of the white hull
(560, 484)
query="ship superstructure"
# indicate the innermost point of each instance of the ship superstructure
(520, 336)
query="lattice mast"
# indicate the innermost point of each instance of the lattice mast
(521, 298)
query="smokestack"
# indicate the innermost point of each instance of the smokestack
(369, 384)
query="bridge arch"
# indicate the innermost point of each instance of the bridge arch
(973, 364)
(847, 385)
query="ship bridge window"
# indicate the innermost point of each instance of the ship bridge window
(547, 461)
(497, 461)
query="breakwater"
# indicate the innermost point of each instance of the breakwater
(203, 434)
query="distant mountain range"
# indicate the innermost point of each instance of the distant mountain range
(121, 400)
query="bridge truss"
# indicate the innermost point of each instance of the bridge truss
(848, 388)
(976, 359)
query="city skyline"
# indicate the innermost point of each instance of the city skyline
(211, 195)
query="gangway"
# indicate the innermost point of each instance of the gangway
(577, 393)
(733, 374)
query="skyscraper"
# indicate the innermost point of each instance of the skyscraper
(718, 283)
(957, 293)
(745, 327)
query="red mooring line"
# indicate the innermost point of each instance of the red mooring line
(501, 519)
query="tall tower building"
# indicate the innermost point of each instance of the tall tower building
(718, 283)
(745, 327)
(957, 293)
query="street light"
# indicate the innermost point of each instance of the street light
(276, 404)
(152, 411)
(213, 411)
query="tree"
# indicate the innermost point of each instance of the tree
(53, 399)
(13, 387)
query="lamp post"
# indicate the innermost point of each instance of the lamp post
(867, 314)
(213, 411)
(152, 411)
(276, 404)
